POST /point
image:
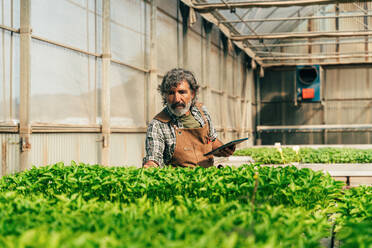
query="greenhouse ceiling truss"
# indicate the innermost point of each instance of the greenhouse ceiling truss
(288, 33)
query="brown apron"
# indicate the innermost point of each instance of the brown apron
(191, 143)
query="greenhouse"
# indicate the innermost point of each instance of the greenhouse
(95, 93)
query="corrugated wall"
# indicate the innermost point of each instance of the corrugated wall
(9, 152)
(347, 96)
(127, 149)
(50, 148)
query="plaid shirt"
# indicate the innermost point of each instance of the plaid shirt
(161, 137)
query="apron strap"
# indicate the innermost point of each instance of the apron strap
(199, 106)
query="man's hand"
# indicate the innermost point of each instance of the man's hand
(149, 164)
(225, 152)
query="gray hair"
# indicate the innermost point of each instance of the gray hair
(173, 78)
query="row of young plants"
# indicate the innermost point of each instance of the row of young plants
(95, 206)
(279, 155)
(73, 222)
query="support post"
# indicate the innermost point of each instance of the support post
(248, 126)
(283, 107)
(208, 93)
(4, 168)
(244, 105)
(25, 81)
(310, 29)
(258, 102)
(365, 22)
(185, 10)
(224, 102)
(153, 77)
(237, 99)
(105, 97)
(337, 23)
(324, 102)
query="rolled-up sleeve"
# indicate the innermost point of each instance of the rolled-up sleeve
(212, 130)
(154, 144)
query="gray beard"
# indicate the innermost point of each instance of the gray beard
(179, 112)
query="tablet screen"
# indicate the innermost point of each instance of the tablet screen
(234, 142)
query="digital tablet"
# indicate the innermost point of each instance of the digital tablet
(234, 142)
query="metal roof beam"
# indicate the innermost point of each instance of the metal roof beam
(286, 54)
(266, 65)
(296, 18)
(307, 44)
(318, 57)
(206, 7)
(300, 35)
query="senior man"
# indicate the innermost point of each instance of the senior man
(182, 132)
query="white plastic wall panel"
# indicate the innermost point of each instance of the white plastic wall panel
(348, 82)
(316, 49)
(68, 22)
(231, 113)
(195, 55)
(238, 75)
(230, 136)
(307, 114)
(288, 86)
(355, 6)
(349, 112)
(349, 138)
(6, 19)
(9, 76)
(279, 114)
(157, 99)
(9, 62)
(229, 84)
(325, 25)
(127, 149)
(11, 153)
(64, 85)
(215, 75)
(51, 148)
(355, 24)
(127, 96)
(250, 96)
(270, 86)
(166, 42)
(352, 49)
(202, 95)
(130, 28)
(220, 136)
(215, 109)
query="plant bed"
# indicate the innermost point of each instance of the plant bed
(328, 155)
(247, 206)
